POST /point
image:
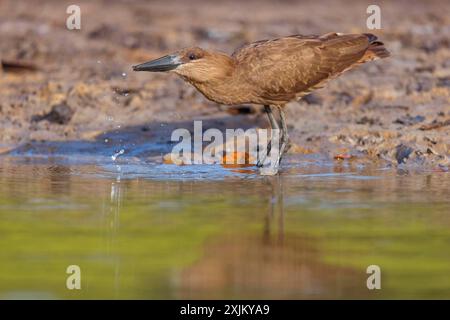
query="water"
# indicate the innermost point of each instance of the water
(141, 229)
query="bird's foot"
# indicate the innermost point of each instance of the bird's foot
(260, 162)
(269, 170)
(263, 155)
(265, 161)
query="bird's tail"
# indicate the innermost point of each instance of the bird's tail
(376, 49)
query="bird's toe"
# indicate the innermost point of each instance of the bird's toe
(268, 171)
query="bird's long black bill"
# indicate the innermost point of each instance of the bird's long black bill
(162, 64)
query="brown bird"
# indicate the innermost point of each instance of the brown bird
(270, 72)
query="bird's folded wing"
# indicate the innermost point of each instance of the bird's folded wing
(290, 67)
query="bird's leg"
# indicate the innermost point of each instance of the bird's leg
(284, 138)
(273, 122)
(273, 125)
(285, 144)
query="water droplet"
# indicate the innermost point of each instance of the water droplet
(115, 155)
(106, 140)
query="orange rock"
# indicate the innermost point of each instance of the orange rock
(343, 156)
(238, 159)
(167, 159)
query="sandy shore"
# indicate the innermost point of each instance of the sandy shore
(58, 84)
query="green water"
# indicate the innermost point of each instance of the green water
(150, 231)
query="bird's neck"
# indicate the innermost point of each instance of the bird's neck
(227, 88)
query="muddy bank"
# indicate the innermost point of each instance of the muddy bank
(61, 85)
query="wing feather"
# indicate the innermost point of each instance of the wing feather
(287, 68)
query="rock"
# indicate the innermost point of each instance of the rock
(432, 151)
(344, 156)
(235, 110)
(409, 120)
(344, 97)
(435, 125)
(402, 152)
(238, 159)
(443, 82)
(312, 99)
(17, 66)
(60, 114)
(102, 32)
(369, 121)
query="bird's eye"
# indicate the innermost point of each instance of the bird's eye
(192, 56)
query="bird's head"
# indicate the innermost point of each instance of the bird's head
(194, 64)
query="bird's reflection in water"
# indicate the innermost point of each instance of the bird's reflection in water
(274, 220)
(278, 265)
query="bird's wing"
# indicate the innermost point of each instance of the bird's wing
(287, 68)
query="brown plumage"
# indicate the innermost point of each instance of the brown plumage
(270, 72)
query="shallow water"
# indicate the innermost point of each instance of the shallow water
(140, 229)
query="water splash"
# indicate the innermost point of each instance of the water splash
(115, 155)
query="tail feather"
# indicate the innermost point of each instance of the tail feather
(378, 49)
(375, 51)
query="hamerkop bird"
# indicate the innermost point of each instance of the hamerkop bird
(270, 72)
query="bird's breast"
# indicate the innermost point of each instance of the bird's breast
(226, 93)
